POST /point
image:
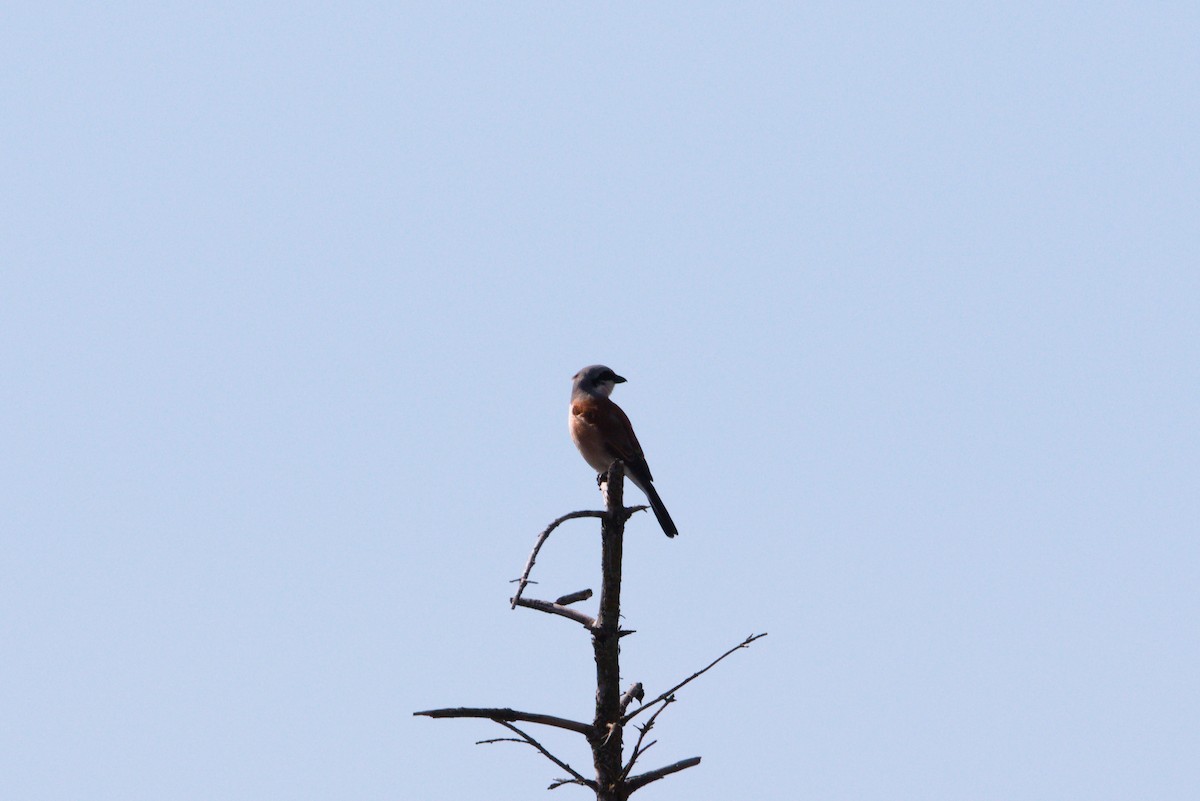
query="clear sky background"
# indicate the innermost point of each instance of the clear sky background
(908, 297)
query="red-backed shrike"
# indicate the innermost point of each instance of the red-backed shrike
(603, 434)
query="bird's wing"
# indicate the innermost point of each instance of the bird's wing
(620, 439)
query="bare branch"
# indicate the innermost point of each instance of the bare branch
(631, 510)
(642, 779)
(743, 644)
(556, 609)
(529, 740)
(503, 715)
(573, 597)
(541, 540)
(642, 732)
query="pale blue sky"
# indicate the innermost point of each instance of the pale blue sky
(908, 297)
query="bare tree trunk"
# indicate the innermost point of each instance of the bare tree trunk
(606, 643)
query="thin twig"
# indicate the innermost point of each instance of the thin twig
(524, 580)
(743, 644)
(578, 778)
(642, 732)
(642, 779)
(556, 609)
(648, 746)
(505, 714)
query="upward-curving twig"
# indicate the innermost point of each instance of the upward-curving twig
(541, 540)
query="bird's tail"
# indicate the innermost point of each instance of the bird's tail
(660, 511)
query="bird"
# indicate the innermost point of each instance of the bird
(603, 434)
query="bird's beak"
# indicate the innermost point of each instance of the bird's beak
(617, 379)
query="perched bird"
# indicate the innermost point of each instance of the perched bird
(603, 434)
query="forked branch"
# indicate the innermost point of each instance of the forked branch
(643, 730)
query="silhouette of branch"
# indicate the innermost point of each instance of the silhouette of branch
(743, 644)
(525, 738)
(557, 609)
(554, 785)
(642, 732)
(541, 540)
(573, 597)
(508, 715)
(642, 779)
